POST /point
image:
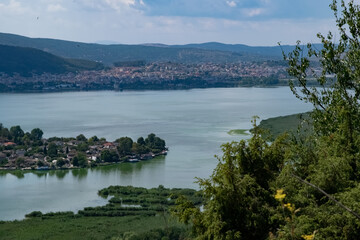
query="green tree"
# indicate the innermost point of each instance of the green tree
(93, 139)
(324, 167)
(83, 147)
(125, 145)
(336, 101)
(16, 133)
(80, 160)
(109, 156)
(155, 143)
(52, 150)
(36, 134)
(81, 138)
(238, 196)
(141, 141)
(5, 133)
(60, 163)
(317, 175)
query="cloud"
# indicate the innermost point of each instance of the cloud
(231, 3)
(105, 5)
(13, 6)
(254, 22)
(252, 12)
(55, 8)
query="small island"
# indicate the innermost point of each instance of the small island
(30, 151)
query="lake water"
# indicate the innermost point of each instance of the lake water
(194, 123)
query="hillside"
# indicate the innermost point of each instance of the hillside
(108, 54)
(290, 124)
(26, 61)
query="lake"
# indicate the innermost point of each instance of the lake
(194, 124)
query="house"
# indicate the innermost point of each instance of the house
(109, 145)
(9, 144)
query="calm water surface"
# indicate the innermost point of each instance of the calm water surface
(194, 124)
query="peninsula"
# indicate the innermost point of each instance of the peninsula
(30, 151)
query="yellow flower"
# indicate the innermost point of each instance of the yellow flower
(290, 206)
(308, 237)
(280, 195)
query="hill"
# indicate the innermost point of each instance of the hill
(108, 54)
(26, 61)
(290, 124)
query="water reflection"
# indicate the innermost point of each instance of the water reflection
(123, 169)
(60, 174)
(80, 174)
(19, 174)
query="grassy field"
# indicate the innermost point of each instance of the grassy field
(84, 227)
(290, 123)
(132, 213)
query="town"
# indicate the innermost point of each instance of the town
(166, 75)
(30, 151)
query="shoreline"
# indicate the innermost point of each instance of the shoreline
(25, 170)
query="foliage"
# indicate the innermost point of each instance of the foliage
(52, 150)
(80, 160)
(155, 143)
(125, 145)
(116, 220)
(16, 133)
(81, 138)
(297, 187)
(109, 156)
(36, 134)
(238, 196)
(70, 226)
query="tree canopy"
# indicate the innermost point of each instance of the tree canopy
(298, 186)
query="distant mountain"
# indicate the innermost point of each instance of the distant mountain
(108, 54)
(272, 52)
(149, 52)
(26, 61)
(241, 48)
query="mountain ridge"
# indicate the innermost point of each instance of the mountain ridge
(149, 52)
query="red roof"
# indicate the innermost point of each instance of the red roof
(108, 144)
(9, 144)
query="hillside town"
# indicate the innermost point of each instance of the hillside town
(29, 151)
(153, 76)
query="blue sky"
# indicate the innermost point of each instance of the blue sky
(256, 22)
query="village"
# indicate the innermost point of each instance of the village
(165, 75)
(29, 151)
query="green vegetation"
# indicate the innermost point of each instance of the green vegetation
(77, 227)
(132, 213)
(29, 61)
(295, 124)
(238, 132)
(303, 187)
(20, 150)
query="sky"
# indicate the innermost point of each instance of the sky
(251, 22)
